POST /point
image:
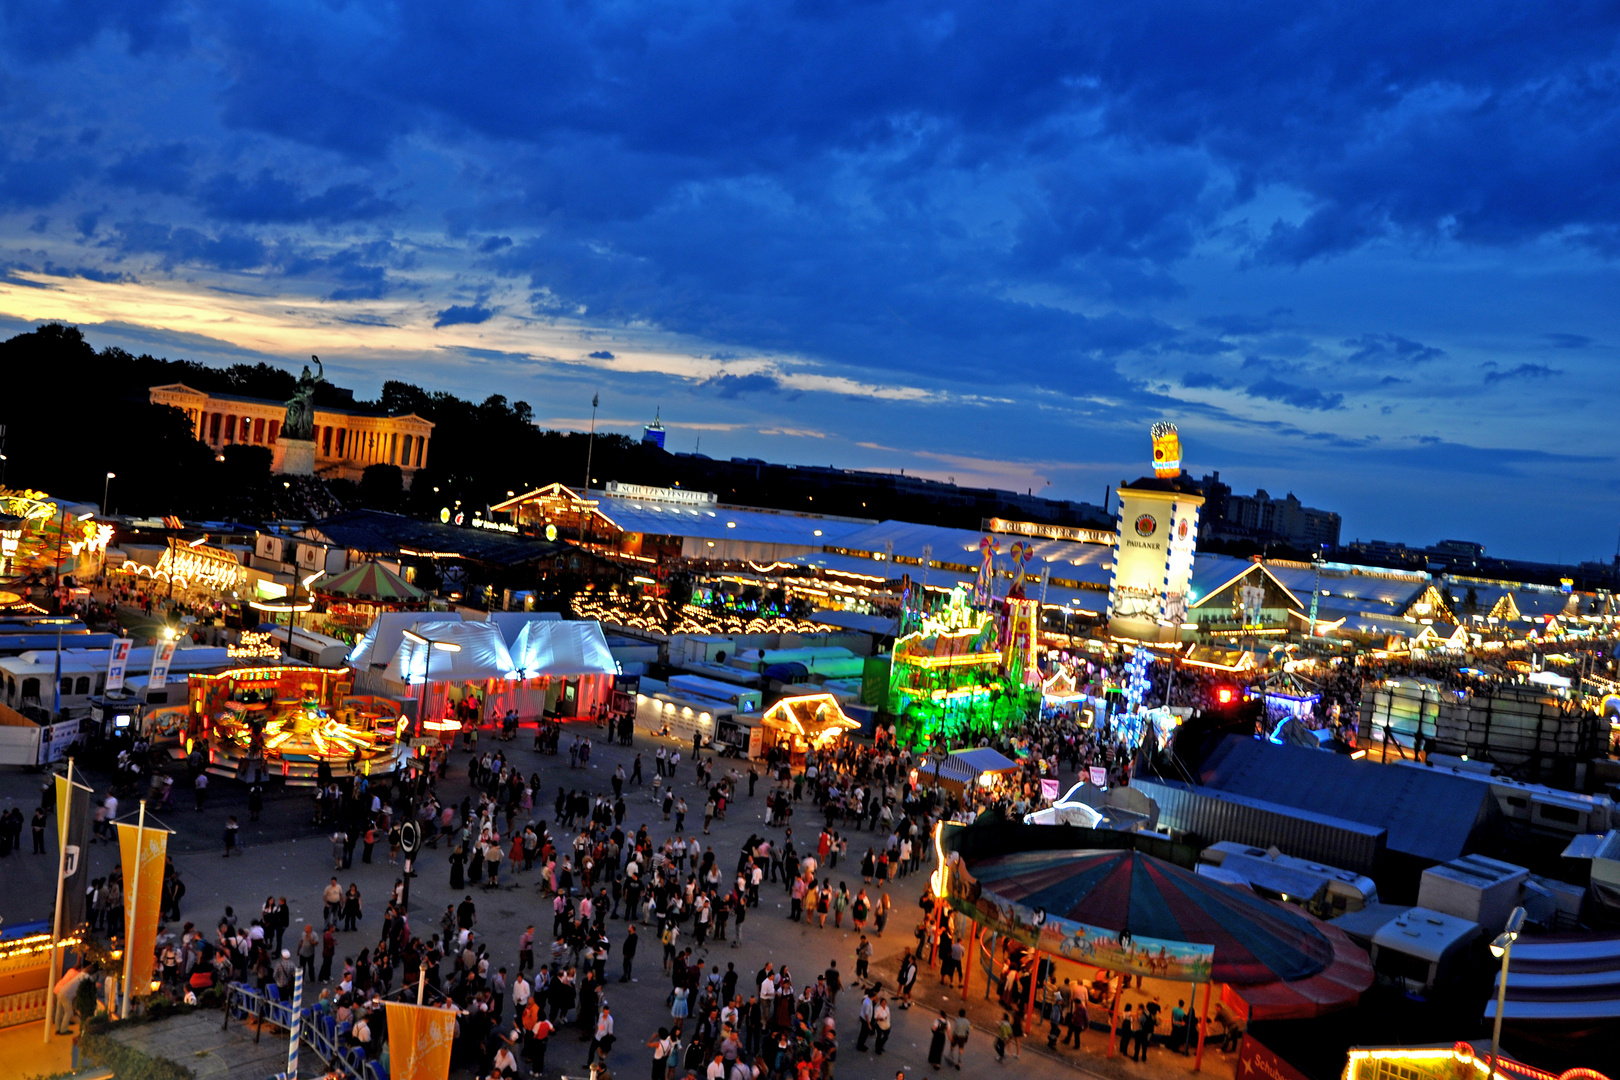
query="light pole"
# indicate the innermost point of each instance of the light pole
(427, 671)
(584, 510)
(61, 534)
(104, 487)
(1503, 947)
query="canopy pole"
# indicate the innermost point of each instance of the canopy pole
(1113, 1015)
(1034, 981)
(967, 955)
(1198, 1062)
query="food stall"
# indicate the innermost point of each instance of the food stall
(802, 723)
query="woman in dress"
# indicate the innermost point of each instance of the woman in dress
(678, 1008)
(936, 1045)
(351, 907)
(458, 859)
(824, 900)
(475, 867)
(868, 865)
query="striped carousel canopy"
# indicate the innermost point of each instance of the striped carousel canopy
(371, 581)
(1256, 941)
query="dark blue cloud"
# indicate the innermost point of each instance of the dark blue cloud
(463, 314)
(602, 354)
(228, 250)
(1568, 341)
(734, 386)
(266, 197)
(1390, 349)
(1300, 397)
(1522, 371)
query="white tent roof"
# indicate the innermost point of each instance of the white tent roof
(548, 647)
(381, 642)
(513, 622)
(483, 653)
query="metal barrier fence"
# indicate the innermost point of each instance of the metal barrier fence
(318, 1031)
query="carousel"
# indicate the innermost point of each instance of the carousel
(286, 721)
(1043, 902)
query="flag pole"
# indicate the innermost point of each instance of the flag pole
(421, 984)
(63, 813)
(132, 910)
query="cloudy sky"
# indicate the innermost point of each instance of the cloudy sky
(1362, 252)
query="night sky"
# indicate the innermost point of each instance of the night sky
(1362, 252)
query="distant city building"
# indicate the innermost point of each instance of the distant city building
(346, 440)
(653, 433)
(1264, 519)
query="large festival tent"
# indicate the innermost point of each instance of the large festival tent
(550, 666)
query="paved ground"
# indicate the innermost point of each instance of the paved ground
(287, 855)
(197, 1041)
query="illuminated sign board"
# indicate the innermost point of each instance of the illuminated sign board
(661, 494)
(1166, 450)
(1047, 532)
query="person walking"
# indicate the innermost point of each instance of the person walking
(351, 908)
(940, 1032)
(1004, 1034)
(308, 942)
(881, 1023)
(961, 1028)
(231, 828)
(328, 950)
(628, 950)
(200, 790)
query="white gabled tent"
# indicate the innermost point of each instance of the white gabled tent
(480, 654)
(377, 647)
(535, 664)
(546, 647)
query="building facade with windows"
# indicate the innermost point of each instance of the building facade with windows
(346, 441)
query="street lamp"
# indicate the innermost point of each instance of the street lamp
(427, 670)
(105, 485)
(1503, 947)
(61, 534)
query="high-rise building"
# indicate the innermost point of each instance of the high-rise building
(653, 433)
(1265, 519)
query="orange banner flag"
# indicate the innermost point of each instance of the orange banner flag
(142, 905)
(419, 1041)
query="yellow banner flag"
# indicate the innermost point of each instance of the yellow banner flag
(419, 1041)
(142, 905)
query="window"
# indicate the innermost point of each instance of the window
(230, 429)
(275, 430)
(214, 420)
(421, 445)
(258, 430)
(67, 686)
(393, 448)
(1559, 813)
(405, 458)
(340, 433)
(326, 443)
(81, 685)
(30, 689)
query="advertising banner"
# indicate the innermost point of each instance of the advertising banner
(419, 1040)
(1261, 1062)
(162, 657)
(73, 833)
(1178, 961)
(142, 903)
(55, 740)
(118, 663)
